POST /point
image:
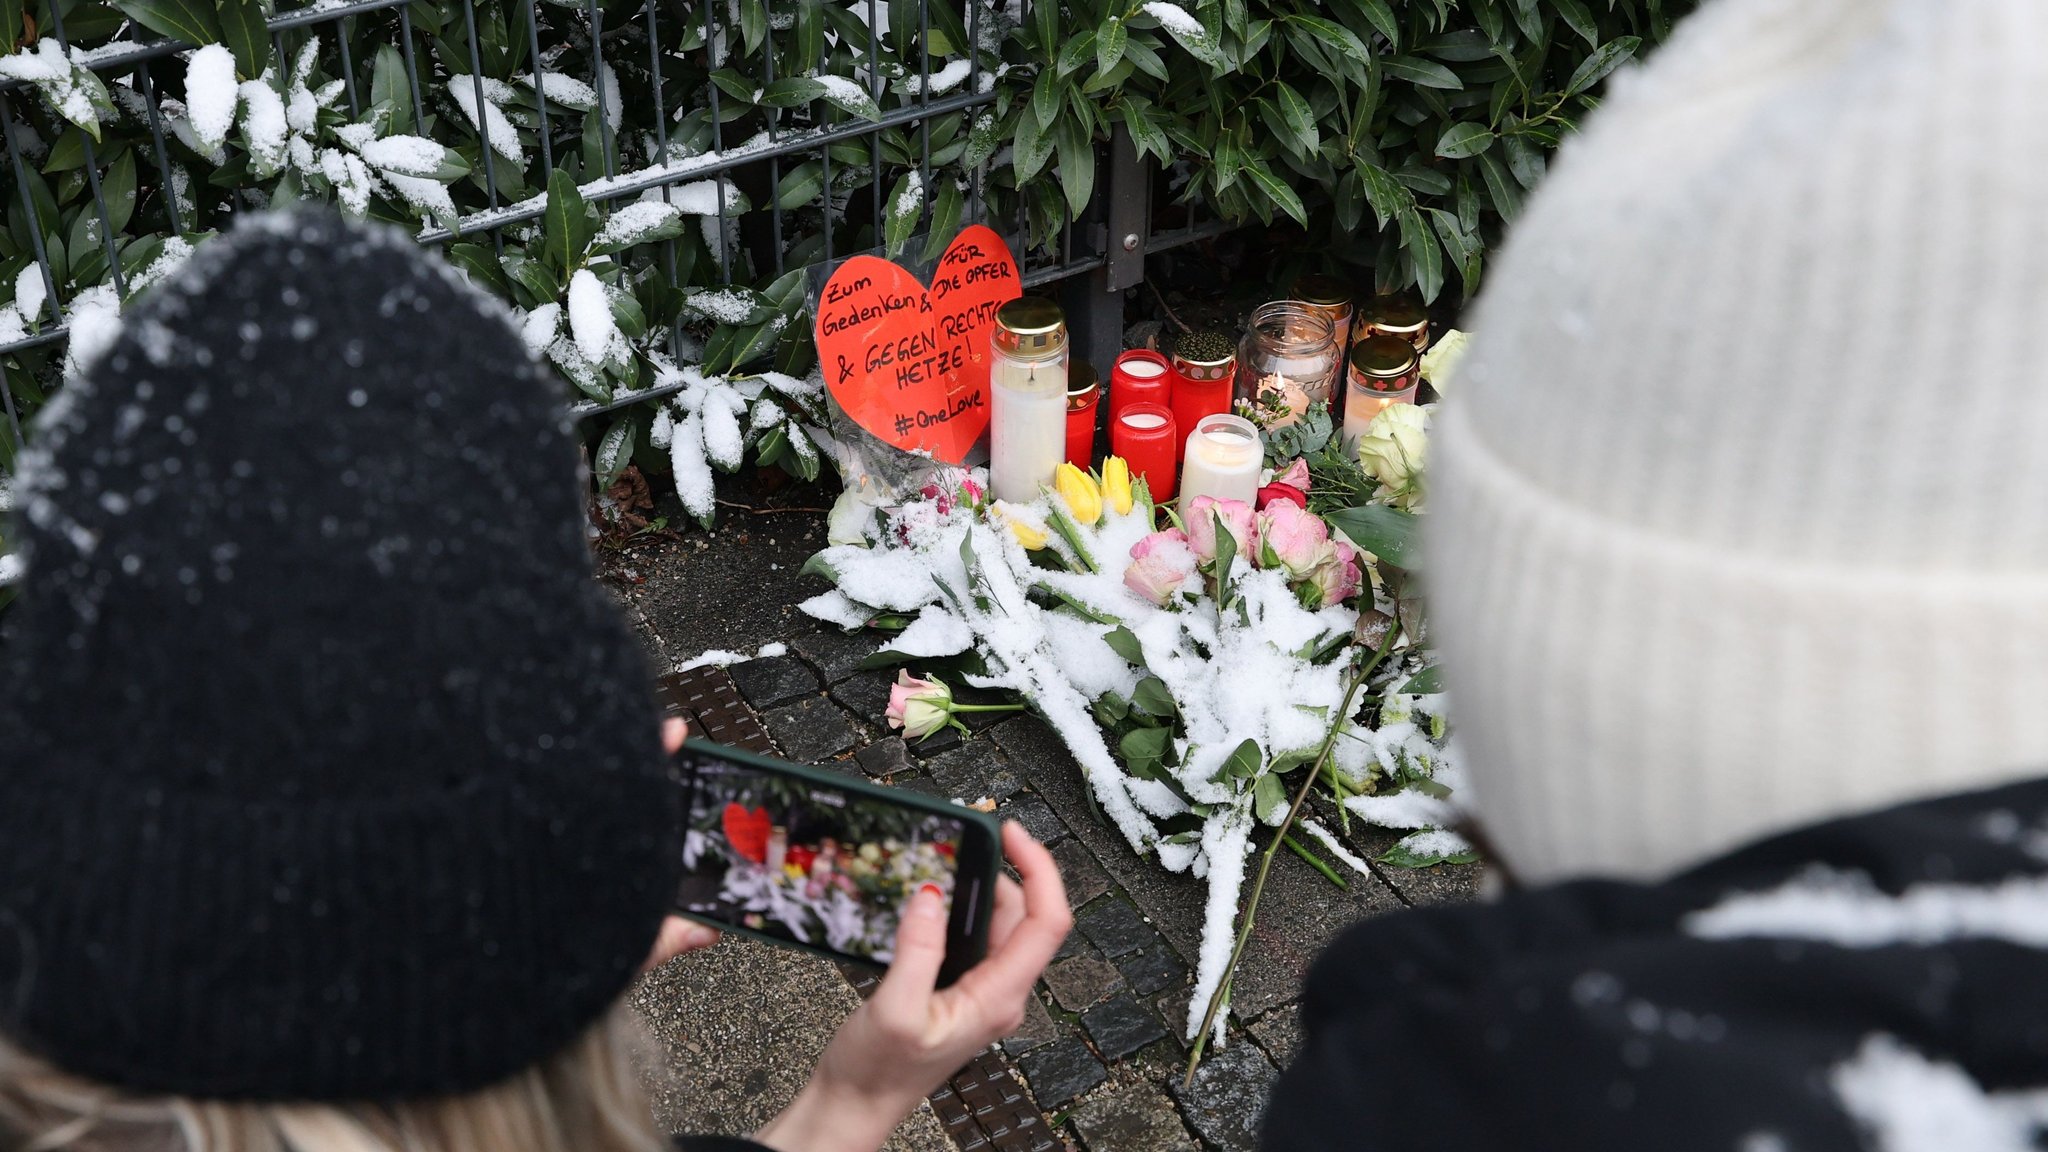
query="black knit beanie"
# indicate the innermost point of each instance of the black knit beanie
(326, 770)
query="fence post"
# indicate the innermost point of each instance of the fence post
(1094, 303)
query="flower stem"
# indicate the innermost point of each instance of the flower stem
(1315, 862)
(1221, 996)
(987, 708)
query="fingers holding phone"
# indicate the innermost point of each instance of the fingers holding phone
(911, 1035)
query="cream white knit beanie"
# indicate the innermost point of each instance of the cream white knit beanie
(1740, 511)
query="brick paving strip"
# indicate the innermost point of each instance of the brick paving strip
(1100, 1049)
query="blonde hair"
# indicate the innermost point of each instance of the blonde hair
(587, 1098)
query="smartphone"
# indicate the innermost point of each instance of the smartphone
(811, 859)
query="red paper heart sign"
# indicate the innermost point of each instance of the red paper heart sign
(746, 829)
(911, 366)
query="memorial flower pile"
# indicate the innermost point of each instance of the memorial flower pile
(1205, 665)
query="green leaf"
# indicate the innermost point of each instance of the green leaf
(800, 185)
(1382, 19)
(1506, 195)
(1046, 97)
(1109, 43)
(1143, 749)
(1074, 53)
(946, 208)
(243, 31)
(1604, 59)
(793, 91)
(1388, 533)
(1269, 798)
(482, 266)
(1427, 73)
(1278, 191)
(852, 99)
(570, 224)
(1243, 763)
(1333, 35)
(614, 452)
(388, 86)
(1464, 139)
(1524, 160)
(1152, 696)
(753, 24)
(1200, 44)
(1299, 117)
(1427, 682)
(192, 21)
(1412, 852)
(1124, 643)
(983, 141)
(1077, 164)
(11, 30)
(1580, 20)
(902, 212)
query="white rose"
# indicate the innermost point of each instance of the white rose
(1440, 363)
(1393, 451)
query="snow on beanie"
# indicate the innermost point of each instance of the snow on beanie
(1741, 509)
(329, 772)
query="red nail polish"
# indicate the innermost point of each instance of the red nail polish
(933, 889)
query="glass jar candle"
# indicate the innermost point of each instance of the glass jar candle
(1384, 371)
(1084, 393)
(1204, 369)
(1145, 436)
(1331, 297)
(1287, 362)
(1394, 316)
(1224, 458)
(1027, 384)
(1140, 376)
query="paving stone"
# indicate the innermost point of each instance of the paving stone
(884, 758)
(1228, 1096)
(1084, 878)
(923, 784)
(1116, 928)
(1060, 1071)
(982, 721)
(1034, 749)
(1038, 1029)
(1081, 982)
(810, 730)
(944, 740)
(836, 655)
(1121, 1025)
(773, 680)
(973, 771)
(1037, 818)
(1279, 1033)
(1172, 1006)
(1152, 969)
(866, 695)
(1130, 1117)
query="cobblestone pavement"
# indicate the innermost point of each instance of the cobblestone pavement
(1102, 1047)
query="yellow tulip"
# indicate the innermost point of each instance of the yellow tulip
(1083, 498)
(1026, 532)
(1116, 485)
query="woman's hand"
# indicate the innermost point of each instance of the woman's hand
(909, 1037)
(677, 935)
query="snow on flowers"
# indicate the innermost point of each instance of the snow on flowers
(1188, 659)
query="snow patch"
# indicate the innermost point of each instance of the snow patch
(1848, 909)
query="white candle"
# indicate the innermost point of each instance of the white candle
(1224, 459)
(1027, 426)
(1144, 369)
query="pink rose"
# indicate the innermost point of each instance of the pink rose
(1293, 538)
(1295, 475)
(1236, 516)
(1160, 563)
(919, 707)
(1336, 580)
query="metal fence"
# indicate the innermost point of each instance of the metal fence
(1091, 260)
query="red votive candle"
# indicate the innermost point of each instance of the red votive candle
(1204, 371)
(1139, 376)
(1084, 390)
(1146, 436)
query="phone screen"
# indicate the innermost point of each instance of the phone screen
(801, 861)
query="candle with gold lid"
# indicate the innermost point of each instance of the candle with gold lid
(1394, 316)
(1331, 297)
(1027, 382)
(1384, 372)
(1224, 459)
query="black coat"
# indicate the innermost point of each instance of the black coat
(1889, 990)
